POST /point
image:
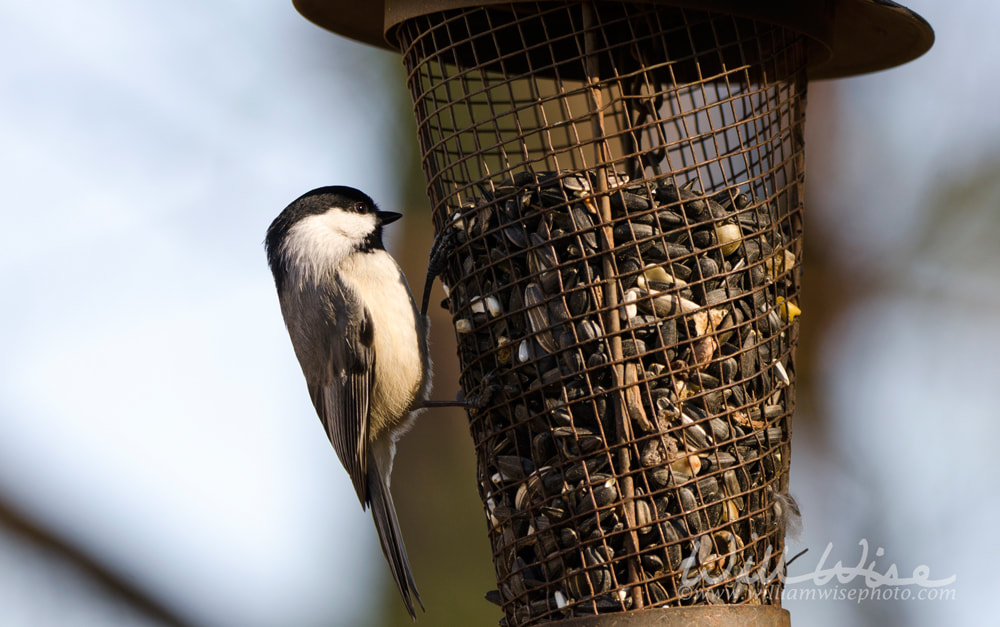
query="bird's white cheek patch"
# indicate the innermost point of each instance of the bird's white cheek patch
(353, 226)
(320, 242)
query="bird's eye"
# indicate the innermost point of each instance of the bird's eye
(359, 207)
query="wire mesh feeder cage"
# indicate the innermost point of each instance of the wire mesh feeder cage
(622, 187)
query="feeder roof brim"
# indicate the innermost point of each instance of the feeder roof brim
(849, 37)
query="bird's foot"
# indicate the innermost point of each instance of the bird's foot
(441, 249)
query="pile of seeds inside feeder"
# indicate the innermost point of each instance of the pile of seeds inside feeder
(705, 291)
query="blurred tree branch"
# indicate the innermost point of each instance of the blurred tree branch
(34, 533)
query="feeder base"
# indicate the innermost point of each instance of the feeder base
(710, 615)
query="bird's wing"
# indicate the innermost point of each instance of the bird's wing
(341, 397)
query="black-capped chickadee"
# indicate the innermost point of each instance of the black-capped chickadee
(360, 341)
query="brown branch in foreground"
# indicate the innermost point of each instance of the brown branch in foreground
(116, 587)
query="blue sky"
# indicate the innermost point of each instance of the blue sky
(152, 409)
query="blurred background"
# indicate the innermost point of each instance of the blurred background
(160, 463)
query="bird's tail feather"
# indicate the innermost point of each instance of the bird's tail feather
(384, 514)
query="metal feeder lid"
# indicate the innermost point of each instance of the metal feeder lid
(848, 37)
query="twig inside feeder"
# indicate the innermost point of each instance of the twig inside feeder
(612, 320)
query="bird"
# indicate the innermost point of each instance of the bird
(360, 341)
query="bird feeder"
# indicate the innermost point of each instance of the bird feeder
(620, 185)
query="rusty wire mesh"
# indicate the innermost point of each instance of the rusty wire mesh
(622, 185)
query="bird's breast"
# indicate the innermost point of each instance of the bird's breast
(399, 338)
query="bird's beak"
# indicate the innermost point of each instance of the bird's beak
(387, 217)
